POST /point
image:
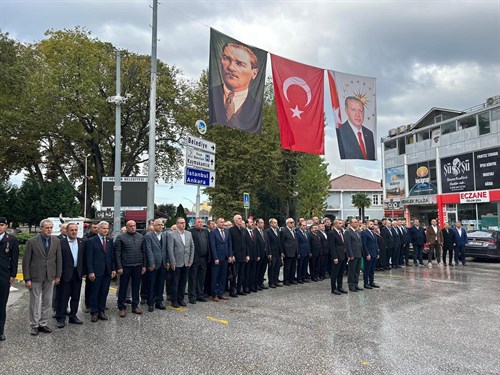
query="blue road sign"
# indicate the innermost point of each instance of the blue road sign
(246, 200)
(199, 177)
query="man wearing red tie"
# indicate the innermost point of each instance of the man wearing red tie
(355, 140)
(338, 256)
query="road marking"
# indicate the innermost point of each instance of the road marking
(365, 363)
(211, 318)
(12, 289)
(177, 308)
(19, 276)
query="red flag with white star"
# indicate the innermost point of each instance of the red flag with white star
(299, 95)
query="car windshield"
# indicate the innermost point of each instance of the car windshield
(480, 234)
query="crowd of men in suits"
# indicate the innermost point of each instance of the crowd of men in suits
(227, 256)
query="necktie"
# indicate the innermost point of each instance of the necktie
(341, 236)
(222, 234)
(229, 104)
(251, 234)
(104, 243)
(362, 145)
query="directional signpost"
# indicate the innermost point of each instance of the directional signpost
(200, 162)
(246, 203)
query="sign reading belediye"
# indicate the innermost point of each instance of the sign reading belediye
(200, 162)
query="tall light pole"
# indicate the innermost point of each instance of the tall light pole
(85, 190)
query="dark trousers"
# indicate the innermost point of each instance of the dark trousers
(405, 253)
(460, 253)
(329, 264)
(178, 280)
(418, 251)
(196, 278)
(261, 270)
(445, 250)
(145, 285)
(219, 274)
(4, 296)
(395, 256)
(353, 272)
(66, 291)
(289, 269)
(132, 273)
(99, 294)
(156, 280)
(88, 291)
(302, 267)
(338, 274)
(273, 270)
(208, 282)
(239, 276)
(314, 266)
(250, 271)
(369, 270)
(323, 262)
(54, 297)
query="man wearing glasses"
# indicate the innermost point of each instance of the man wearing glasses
(290, 249)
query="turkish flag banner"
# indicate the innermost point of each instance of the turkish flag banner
(299, 95)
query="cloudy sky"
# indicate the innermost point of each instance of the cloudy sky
(424, 54)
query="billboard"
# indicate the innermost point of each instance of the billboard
(395, 182)
(487, 169)
(422, 178)
(133, 194)
(457, 173)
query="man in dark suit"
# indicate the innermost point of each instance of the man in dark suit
(157, 256)
(238, 240)
(9, 254)
(354, 251)
(231, 103)
(448, 243)
(324, 252)
(273, 234)
(253, 258)
(91, 233)
(221, 254)
(198, 270)
(62, 235)
(304, 252)
(396, 248)
(73, 269)
(263, 251)
(370, 255)
(100, 262)
(386, 233)
(290, 250)
(460, 238)
(338, 256)
(355, 140)
(406, 243)
(417, 238)
(42, 268)
(315, 246)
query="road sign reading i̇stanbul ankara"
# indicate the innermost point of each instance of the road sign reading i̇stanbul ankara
(200, 162)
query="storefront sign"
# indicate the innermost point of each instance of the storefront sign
(457, 173)
(422, 178)
(395, 182)
(426, 199)
(487, 169)
(475, 196)
(392, 205)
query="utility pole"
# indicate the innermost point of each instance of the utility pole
(152, 117)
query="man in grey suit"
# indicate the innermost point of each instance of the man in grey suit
(180, 256)
(42, 268)
(354, 249)
(156, 251)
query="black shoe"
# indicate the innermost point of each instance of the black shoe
(259, 288)
(175, 305)
(60, 324)
(253, 290)
(263, 286)
(75, 320)
(160, 306)
(240, 293)
(34, 331)
(272, 286)
(234, 295)
(151, 308)
(294, 282)
(192, 301)
(202, 299)
(182, 303)
(358, 288)
(353, 290)
(306, 281)
(278, 285)
(2, 337)
(100, 316)
(343, 291)
(336, 292)
(373, 285)
(287, 284)
(300, 282)
(368, 286)
(44, 329)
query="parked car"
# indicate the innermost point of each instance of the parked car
(483, 244)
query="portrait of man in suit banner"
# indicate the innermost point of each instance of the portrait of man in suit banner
(354, 106)
(236, 83)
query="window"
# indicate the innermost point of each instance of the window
(438, 118)
(484, 123)
(495, 114)
(375, 199)
(410, 139)
(449, 127)
(390, 145)
(423, 135)
(401, 146)
(467, 122)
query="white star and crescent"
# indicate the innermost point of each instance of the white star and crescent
(290, 81)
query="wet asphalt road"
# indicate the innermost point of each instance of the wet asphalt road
(422, 321)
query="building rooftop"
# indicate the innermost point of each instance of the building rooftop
(354, 183)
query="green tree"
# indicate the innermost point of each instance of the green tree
(361, 201)
(313, 183)
(9, 203)
(29, 202)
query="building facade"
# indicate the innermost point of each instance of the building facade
(342, 188)
(446, 166)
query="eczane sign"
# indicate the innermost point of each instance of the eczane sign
(475, 196)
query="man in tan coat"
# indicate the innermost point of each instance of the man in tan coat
(42, 268)
(434, 238)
